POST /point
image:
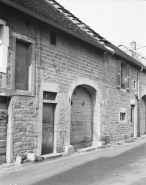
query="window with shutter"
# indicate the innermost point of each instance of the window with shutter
(118, 74)
(128, 80)
(23, 65)
(123, 75)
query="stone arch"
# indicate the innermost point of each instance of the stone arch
(142, 94)
(85, 81)
(97, 99)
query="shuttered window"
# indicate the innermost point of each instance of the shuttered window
(4, 44)
(22, 65)
(118, 74)
(128, 80)
(123, 75)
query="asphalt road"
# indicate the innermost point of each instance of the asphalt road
(118, 165)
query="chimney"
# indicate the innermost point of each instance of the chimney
(133, 45)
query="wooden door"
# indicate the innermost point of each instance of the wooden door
(81, 118)
(3, 132)
(132, 120)
(48, 128)
(142, 117)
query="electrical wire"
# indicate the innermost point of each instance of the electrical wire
(142, 46)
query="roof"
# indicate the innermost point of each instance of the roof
(52, 13)
(135, 54)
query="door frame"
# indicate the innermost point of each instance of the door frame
(54, 107)
(50, 87)
(134, 104)
(132, 119)
(97, 102)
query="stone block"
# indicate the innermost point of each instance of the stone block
(69, 149)
(31, 157)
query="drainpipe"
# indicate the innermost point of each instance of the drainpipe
(138, 102)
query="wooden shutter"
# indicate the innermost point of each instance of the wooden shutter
(21, 65)
(118, 74)
(128, 80)
(4, 37)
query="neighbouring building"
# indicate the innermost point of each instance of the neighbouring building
(141, 85)
(62, 85)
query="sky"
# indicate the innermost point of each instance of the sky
(119, 21)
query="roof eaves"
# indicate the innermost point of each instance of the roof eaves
(41, 18)
(100, 43)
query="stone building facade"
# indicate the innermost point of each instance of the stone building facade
(77, 92)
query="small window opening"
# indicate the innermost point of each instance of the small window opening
(122, 116)
(49, 95)
(71, 103)
(83, 103)
(134, 85)
(53, 38)
(123, 75)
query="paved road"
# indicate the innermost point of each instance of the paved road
(119, 165)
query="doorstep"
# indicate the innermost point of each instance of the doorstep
(87, 149)
(51, 156)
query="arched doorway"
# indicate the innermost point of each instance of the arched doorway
(142, 128)
(92, 90)
(82, 106)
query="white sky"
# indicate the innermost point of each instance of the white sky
(115, 20)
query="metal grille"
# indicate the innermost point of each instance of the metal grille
(49, 95)
(122, 116)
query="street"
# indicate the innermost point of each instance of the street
(118, 165)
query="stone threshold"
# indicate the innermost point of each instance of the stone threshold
(86, 149)
(51, 156)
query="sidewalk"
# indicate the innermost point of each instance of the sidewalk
(7, 168)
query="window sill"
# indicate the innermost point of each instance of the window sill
(15, 92)
(123, 122)
(24, 93)
(123, 90)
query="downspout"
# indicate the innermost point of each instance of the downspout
(138, 103)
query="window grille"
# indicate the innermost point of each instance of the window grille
(49, 95)
(122, 116)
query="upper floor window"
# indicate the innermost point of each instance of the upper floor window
(122, 75)
(4, 43)
(23, 64)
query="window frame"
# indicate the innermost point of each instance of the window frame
(119, 77)
(31, 72)
(122, 110)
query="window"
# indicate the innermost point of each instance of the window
(23, 65)
(122, 75)
(122, 116)
(4, 43)
(53, 38)
(134, 84)
(49, 95)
